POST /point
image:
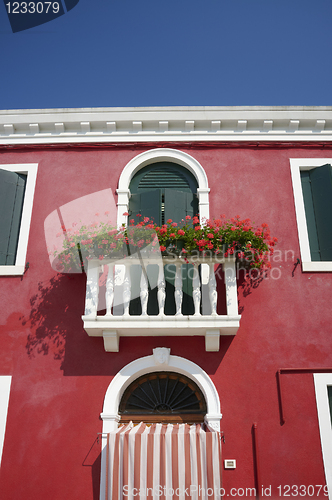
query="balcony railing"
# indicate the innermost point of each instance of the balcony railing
(119, 289)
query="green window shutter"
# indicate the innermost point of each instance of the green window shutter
(148, 204)
(321, 188)
(12, 188)
(310, 215)
(179, 204)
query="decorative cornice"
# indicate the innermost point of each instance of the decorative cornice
(168, 124)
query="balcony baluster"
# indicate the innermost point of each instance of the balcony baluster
(144, 292)
(161, 294)
(114, 325)
(212, 285)
(109, 295)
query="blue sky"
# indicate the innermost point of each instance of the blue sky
(175, 53)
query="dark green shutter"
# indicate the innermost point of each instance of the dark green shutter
(310, 215)
(321, 188)
(317, 194)
(12, 188)
(178, 204)
(148, 204)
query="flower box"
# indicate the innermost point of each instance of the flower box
(251, 246)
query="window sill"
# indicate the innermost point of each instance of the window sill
(323, 267)
(11, 270)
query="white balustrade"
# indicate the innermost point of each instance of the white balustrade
(119, 276)
(120, 290)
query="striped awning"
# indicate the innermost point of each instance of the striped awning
(163, 462)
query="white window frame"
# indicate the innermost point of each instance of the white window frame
(298, 164)
(5, 382)
(30, 170)
(322, 381)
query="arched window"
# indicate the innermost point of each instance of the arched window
(160, 361)
(165, 397)
(163, 191)
(160, 155)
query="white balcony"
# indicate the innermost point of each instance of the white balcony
(114, 299)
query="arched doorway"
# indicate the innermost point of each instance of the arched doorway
(160, 362)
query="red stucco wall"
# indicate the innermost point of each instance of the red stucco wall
(60, 375)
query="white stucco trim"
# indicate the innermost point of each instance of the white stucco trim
(322, 380)
(5, 381)
(170, 123)
(298, 164)
(149, 364)
(162, 154)
(30, 170)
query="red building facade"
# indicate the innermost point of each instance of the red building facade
(263, 364)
